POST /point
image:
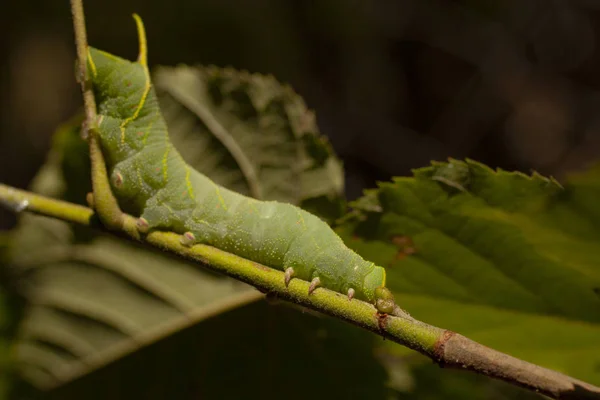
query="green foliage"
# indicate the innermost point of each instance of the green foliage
(256, 136)
(94, 299)
(258, 351)
(511, 262)
(506, 259)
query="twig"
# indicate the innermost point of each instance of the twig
(446, 348)
(81, 44)
(20, 200)
(104, 202)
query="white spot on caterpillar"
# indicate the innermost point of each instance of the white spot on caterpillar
(118, 180)
(188, 239)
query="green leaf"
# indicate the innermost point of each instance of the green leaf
(92, 299)
(256, 352)
(91, 303)
(251, 134)
(510, 260)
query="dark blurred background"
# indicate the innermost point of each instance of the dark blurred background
(395, 83)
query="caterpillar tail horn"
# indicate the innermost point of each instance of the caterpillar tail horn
(143, 52)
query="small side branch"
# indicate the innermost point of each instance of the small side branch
(104, 202)
(444, 347)
(20, 200)
(81, 43)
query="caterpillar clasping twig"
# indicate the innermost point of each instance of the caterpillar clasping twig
(150, 180)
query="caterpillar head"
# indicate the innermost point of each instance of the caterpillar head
(384, 300)
(375, 290)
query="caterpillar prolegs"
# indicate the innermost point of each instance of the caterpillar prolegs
(150, 180)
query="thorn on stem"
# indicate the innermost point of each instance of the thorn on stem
(118, 180)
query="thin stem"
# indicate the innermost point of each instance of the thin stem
(104, 202)
(20, 200)
(444, 347)
(81, 43)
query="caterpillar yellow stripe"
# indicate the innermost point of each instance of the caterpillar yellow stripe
(151, 181)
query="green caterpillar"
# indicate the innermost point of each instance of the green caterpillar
(150, 179)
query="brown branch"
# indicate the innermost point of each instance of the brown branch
(458, 352)
(444, 347)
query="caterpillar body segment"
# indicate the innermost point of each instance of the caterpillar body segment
(151, 180)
